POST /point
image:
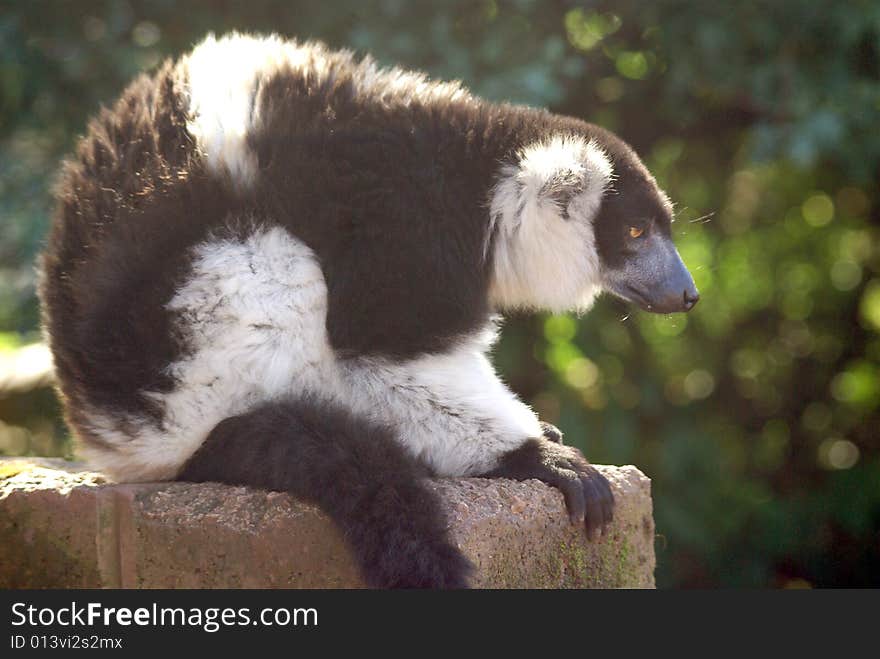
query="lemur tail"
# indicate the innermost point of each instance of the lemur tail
(354, 471)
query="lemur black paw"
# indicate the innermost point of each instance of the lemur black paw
(587, 493)
(551, 433)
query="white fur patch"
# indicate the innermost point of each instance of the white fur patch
(254, 314)
(450, 410)
(543, 260)
(221, 79)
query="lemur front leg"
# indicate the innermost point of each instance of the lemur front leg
(453, 413)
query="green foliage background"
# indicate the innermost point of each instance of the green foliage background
(757, 415)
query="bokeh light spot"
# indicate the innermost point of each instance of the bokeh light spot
(560, 329)
(858, 385)
(146, 34)
(836, 453)
(581, 373)
(870, 305)
(699, 384)
(846, 275)
(632, 64)
(818, 210)
(586, 30)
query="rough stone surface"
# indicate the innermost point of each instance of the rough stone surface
(63, 527)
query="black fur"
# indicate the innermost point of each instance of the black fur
(401, 192)
(354, 471)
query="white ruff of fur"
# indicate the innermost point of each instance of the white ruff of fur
(225, 91)
(541, 259)
(254, 315)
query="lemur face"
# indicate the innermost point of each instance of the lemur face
(639, 262)
(579, 214)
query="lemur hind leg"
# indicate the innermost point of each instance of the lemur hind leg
(353, 470)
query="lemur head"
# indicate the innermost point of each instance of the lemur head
(576, 214)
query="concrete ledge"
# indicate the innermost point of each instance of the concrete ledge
(64, 527)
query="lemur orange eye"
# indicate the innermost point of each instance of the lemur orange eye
(635, 232)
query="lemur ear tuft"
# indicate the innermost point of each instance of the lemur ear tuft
(564, 169)
(563, 186)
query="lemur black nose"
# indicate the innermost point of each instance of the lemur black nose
(690, 299)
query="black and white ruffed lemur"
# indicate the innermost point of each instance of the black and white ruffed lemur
(277, 265)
